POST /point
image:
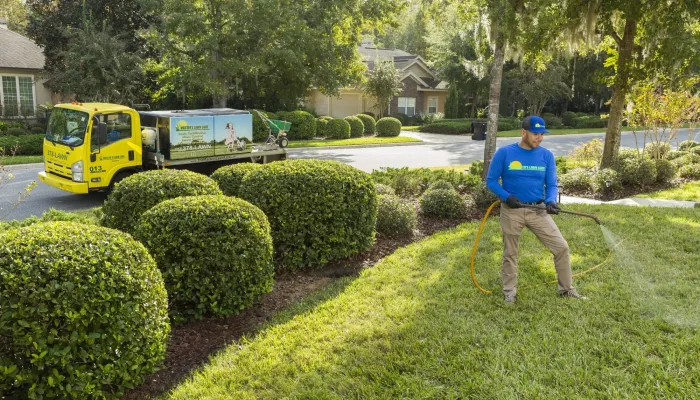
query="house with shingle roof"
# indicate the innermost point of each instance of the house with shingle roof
(423, 91)
(21, 82)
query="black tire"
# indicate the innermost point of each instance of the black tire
(283, 142)
(118, 178)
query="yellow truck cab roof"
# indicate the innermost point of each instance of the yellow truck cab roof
(93, 107)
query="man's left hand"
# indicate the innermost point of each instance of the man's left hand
(553, 208)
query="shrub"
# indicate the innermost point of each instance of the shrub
(600, 178)
(442, 203)
(441, 184)
(230, 177)
(672, 155)
(552, 122)
(327, 118)
(38, 131)
(388, 127)
(215, 253)
(687, 145)
(589, 153)
(448, 127)
(16, 132)
(338, 128)
(356, 126)
(695, 150)
(371, 114)
(409, 182)
(51, 215)
(384, 189)
(370, 125)
(428, 118)
(403, 118)
(665, 171)
(27, 145)
(87, 303)
(476, 168)
(635, 170)
(689, 158)
(690, 171)
(589, 121)
(509, 124)
(657, 150)
(318, 210)
(562, 166)
(395, 217)
(567, 118)
(483, 197)
(303, 124)
(321, 127)
(578, 179)
(137, 193)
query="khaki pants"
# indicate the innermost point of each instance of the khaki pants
(513, 220)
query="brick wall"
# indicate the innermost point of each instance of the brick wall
(410, 89)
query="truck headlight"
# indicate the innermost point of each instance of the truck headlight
(77, 170)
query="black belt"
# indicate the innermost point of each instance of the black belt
(532, 203)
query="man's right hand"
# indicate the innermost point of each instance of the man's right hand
(513, 202)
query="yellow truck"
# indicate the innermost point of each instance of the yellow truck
(90, 146)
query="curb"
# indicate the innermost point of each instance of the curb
(359, 146)
(14, 167)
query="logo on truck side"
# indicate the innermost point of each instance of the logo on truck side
(60, 156)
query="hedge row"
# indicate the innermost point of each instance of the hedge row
(461, 126)
(26, 145)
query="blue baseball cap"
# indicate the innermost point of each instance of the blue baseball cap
(534, 124)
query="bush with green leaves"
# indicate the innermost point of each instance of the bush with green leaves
(357, 128)
(688, 158)
(395, 217)
(402, 118)
(657, 150)
(476, 168)
(567, 118)
(84, 312)
(483, 197)
(303, 124)
(92, 218)
(27, 145)
(16, 132)
(338, 128)
(447, 127)
(321, 127)
(695, 150)
(690, 171)
(578, 179)
(215, 253)
(441, 184)
(552, 122)
(600, 179)
(443, 203)
(635, 170)
(260, 128)
(589, 121)
(387, 127)
(319, 210)
(230, 177)
(665, 171)
(687, 145)
(562, 165)
(411, 182)
(384, 189)
(137, 193)
(672, 155)
(370, 125)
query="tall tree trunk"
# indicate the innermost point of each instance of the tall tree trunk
(620, 88)
(494, 100)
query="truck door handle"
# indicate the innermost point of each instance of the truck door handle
(131, 155)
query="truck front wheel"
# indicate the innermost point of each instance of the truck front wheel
(118, 178)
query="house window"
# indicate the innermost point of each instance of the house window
(17, 95)
(407, 105)
(432, 105)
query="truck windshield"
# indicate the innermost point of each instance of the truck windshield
(67, 127)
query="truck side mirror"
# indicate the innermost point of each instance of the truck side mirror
(102, 131)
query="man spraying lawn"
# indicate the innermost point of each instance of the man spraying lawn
(529, 178)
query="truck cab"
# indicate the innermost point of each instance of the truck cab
(88, 145)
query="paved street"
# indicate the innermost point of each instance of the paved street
(437, 150)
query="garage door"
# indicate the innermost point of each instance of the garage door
(347, 104)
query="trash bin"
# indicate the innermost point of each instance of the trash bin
(479, 129)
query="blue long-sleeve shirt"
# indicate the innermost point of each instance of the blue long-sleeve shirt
(524, 173)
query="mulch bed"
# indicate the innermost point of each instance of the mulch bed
(190, 345)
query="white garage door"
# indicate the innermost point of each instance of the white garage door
(347, 104)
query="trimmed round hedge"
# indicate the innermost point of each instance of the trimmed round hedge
(443, 203)
(388, 127)
(303, 124)
(83, 312)
(321, 127)
(369, 123)
(230, 177)
(338, 128)
(395, 217)
(318, 210)
(137, 193)
(441, 184)
(356, 126)
(215, 253)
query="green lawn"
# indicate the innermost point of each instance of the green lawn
(689, 191)
(293, 144)
(414, 326)
(22, 160)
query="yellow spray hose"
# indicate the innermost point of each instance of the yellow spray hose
(476, 244)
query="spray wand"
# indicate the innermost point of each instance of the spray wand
(593, 217)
